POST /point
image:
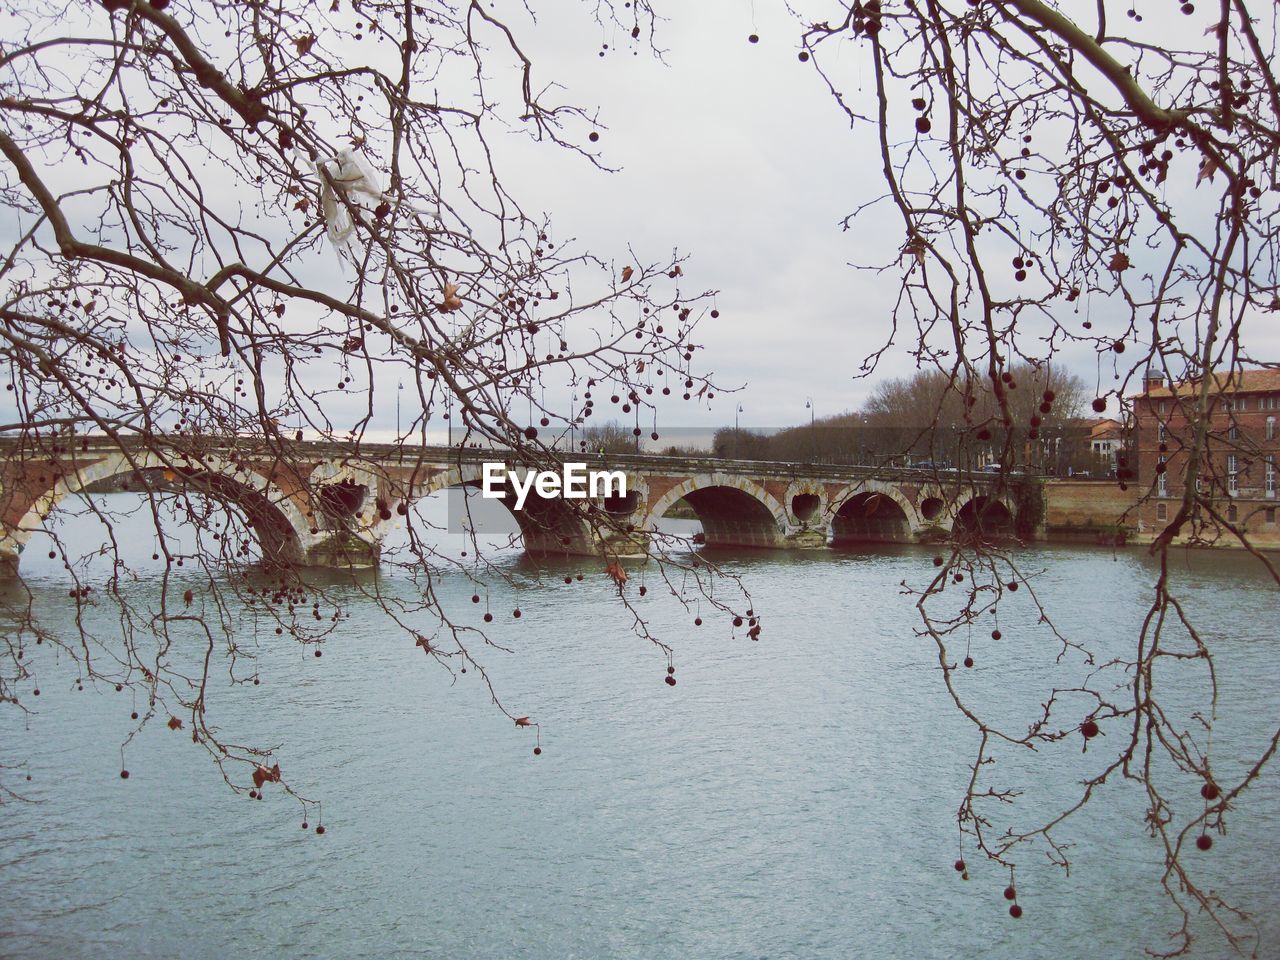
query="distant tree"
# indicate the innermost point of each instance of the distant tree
(929, 417)
(676, 450)
(925, 417)
(611, 437)
(740, 444)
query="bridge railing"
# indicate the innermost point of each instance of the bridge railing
(388, 453)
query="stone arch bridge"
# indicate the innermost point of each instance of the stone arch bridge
(324, 504)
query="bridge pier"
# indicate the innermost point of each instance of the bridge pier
(342, 551)
(9, 561)
(810, 536)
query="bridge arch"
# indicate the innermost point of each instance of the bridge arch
(984, 517)
(278, 523)
(547, 525)
(873, 513)
(733, 511)
(882, 487)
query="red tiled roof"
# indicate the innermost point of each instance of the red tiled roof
(1242, 381)
(1104, 428)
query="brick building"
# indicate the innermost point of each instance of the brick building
(1238, 465)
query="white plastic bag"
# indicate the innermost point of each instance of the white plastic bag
(359, 183)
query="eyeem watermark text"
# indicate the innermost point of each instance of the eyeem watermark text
(574, 482)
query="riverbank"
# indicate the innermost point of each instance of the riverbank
(1101, 512)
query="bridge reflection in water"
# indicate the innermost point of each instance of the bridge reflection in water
(323, 504)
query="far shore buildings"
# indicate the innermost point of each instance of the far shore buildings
(1106, 439)
(1237, 479)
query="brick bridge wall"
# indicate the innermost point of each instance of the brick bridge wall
(1090, 511)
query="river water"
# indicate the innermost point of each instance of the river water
(792, 797)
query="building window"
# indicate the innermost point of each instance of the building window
(1162, 481)
(1271, 478)
(1162, 511)
(1232, 513)
(1233, 476)
(1271, 428)
(1270, 514)
(1242, 403)
(1164, 407)
(1233, 433)
(1164, 434)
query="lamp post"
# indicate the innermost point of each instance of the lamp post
(735, 430)
(399, 390)
(572, 421)
(813, 440)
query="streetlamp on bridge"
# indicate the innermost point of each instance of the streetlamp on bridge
(735, 430)
(813, 439)
(572, 421)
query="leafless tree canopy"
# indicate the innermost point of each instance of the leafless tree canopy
(174, 172)
(232, 226)
(1067, 176)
